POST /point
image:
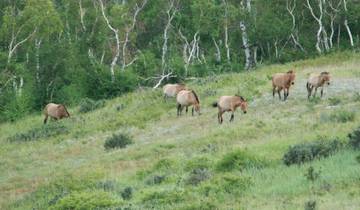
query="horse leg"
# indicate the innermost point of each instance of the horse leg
(285, 95)
(46, 118)
(221, 117)
(315, 92)
(279, 89)
(322, 92)
(178, 109)
(232, 116)
(274, 88)
(192, 111)
(310, 91)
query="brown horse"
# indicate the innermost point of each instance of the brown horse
(283, 81)
(187, 98)
(55, 111)
(171, 90)
(229, 104)
(316, 81)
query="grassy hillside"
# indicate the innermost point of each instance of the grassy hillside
(188, 162)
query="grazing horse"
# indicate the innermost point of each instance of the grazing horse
(55, 111)
(171, 90)
(283, 81)
(316, 81)
(230, 103)
(187, 98)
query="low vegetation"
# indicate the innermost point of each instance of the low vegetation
(118, 141)
(88, 105)
(43, 132)
(135, 153)
(309, 151)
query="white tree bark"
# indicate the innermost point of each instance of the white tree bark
(116, 34)
(127, 33)
(246, 45)
(189, 50)
(322, 40)
(226, 32)
(294, 33)
(82, 12)
(37, 56)
(249, 62)
(347, 25)
(171, 11)
(218, 52)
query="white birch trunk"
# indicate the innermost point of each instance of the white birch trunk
(116, 34)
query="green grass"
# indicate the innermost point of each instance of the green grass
(62, 170)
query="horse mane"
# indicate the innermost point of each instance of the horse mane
(242, 98)
(196, 97)
(324, 73)
(290, 72)
(62, 105)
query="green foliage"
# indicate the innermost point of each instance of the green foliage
(198, 175)
(156, 179)
(88, 105)
(118, 141)
(309, 151)
(16, 108)
(239, 160)
(310, 205)
(311, 174)
(354, 139)
(334, 101)
(161, 197)
(43, 132)
(127, 193)
(87, 200)
(342, 116)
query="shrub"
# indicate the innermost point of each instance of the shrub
(234, 184)
(46, 131)
(88, 105)
(342, 116)
(127, 193)
(118, 141)
(357, 97)
(198, 163)
(198, 175)
(309, 151)
(239, 160)
(310, 205)
(86, 200)
(334, 101)
(156, 179)
(354, 139)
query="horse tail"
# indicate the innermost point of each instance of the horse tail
(215, 104)
(196, 97)
(308, 86)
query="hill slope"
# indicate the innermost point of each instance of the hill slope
(175, 161)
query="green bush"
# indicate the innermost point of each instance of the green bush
(156, 179)
(239, 160)
(342, 116)
(334, 101)
(309, 151)
(127, 193)
(86, 200)
(45, 131)
(88, 105)
(118, 141)
(198, 175)
(198, 162)
(354, 139)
